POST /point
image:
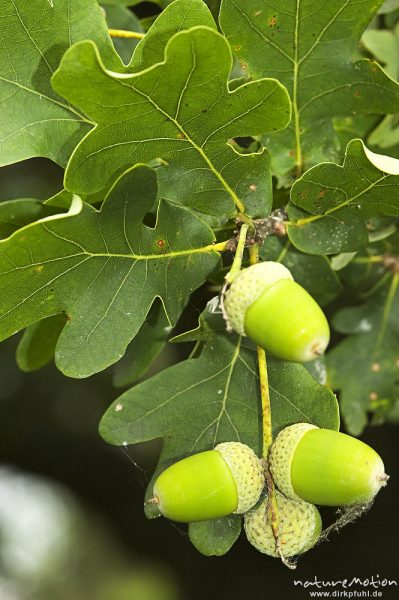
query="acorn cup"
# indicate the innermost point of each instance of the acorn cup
(325, 467)
(267, 305)
(299, 527)
(210, 485)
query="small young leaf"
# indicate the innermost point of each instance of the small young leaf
(15, 214)
(384, 45)
(216, 537)
(37, 346)
(389, 6)
(340, 261)
(209, 325)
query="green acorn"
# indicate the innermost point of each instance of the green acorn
(210, 485)
(325, 467)
(265, 304)
(299, 527)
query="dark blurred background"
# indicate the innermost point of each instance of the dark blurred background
(71, 507)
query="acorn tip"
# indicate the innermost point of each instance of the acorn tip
(383, 479)
(154, 500)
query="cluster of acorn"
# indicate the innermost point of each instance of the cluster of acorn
(309, 465)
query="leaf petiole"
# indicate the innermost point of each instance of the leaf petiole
(237, 263)
(220, 247)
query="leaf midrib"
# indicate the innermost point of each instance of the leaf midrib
(296, 62)
(347, 202)
(43, 57)
(135, 257)
(230, 369)
(48, 98)
(238, 203)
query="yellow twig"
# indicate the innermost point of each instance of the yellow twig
(368, 259)
(267, 436)
(123, 33)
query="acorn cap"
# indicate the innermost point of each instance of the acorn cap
(247, 471)
(248, 286)
(282, 454)
(325, 467)
(299, 527)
